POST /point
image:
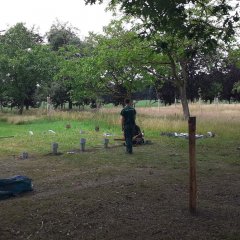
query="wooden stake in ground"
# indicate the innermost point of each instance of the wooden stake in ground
(192, 164)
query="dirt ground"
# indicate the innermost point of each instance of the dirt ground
(110, 195)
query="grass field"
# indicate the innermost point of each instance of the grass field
(106, 194)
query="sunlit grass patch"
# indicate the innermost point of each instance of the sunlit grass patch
(34, 131)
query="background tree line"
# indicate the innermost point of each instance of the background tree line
(182, 58)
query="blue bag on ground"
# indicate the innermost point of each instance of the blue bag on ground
(15, 185)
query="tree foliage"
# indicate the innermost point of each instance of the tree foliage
(61, 34)
(128, 59)
(182, 29)
(24, 64)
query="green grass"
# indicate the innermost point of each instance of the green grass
(141, 103)
(108, 122)
(40, 141)
(147, 103)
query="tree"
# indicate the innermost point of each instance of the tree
(182, 29)
(236, 88)
(3, 78)
(129, 63)
(61, 34)
(187, 17)
(120, 55)
(71, 82)
(25, 64)
(112, 63)
(64, 40)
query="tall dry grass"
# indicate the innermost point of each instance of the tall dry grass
(165, 118)
(71, 115)
(215, 117)
(18, 119)
(34, 115)
(220, 112)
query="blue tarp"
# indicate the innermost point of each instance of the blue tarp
(13, 186)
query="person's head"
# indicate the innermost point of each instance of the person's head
(128, 101)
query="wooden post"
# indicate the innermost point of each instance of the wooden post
(192, 164)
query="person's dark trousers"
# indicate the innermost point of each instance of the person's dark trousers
(128, 134)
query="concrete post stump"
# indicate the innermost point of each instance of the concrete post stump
(54, 148)
(105, 142)
(24, 155)
(82, 144)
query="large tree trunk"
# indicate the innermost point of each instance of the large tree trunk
(21, 109)
(183, 90)
(183, 97)
(181, 83)
(70, 105)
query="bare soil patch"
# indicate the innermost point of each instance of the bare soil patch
(107, 194)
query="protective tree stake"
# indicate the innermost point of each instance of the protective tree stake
(192, 165)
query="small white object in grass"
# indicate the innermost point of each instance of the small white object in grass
(210, 134)
(31, 133)
(107, 134)
(51, 131)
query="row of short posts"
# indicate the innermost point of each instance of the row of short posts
(82, 145)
